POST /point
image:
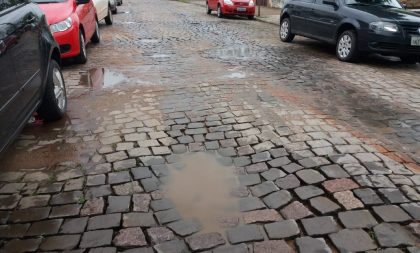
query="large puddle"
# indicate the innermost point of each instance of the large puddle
(101, 78)
(201, 188)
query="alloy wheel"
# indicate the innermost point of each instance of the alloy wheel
(344, 46)
(59, 91)
(284, 29)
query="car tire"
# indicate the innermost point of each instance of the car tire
(96, 37)
(346, 48)
(115, 11)
(251, 17)
(109, 19)
(409, 59)
(54, 102)
(82, 57)
(219, 12)
(208, 8)
(285, 31)
(119, 3)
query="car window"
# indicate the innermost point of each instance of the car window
(382, 3)
(6, 4)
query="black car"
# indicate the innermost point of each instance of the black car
(356, 27)
(30, 74)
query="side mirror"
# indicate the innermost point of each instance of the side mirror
(330, 2)
(82, 2)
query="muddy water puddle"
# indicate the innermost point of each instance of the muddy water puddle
(102, 78)
(201, 188)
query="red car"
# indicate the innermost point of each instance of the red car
(73, 23)
(232, 7)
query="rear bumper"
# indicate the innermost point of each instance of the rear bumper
(238, 10)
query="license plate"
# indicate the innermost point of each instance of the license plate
(415, 41)
(241, 9)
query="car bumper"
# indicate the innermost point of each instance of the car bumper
(397, 45)
(68, 42)
(238, 10)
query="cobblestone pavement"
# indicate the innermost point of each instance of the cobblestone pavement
(324, 154)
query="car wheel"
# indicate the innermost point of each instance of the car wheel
(346, 49)
(251, 17)
(96, 37)
(409, 59)
(119, 3)
(82, 57)
(109, 19)
(115, 10)
(208, 8)
(286, 30)
(54, 103)
(219, 12)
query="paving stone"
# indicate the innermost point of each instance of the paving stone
(296, 211)
(245, 150)
(248, 180)
(263, 189)
(278, 162)
(263, 146)
(334, 171)
(65, 210)
(389, 250)
(136, 152)
(352, 240)
(310, 176)
(312, 245)
(11, 188)
(141, 202)
(411, 193)
(273, 174)
(119, 177)
(288, 182)
(74, 226)
(344, 159)
(69, 174)
(368, 196)
(348, 200)
(11, 176)
(92, 207)
(33, 201)
(377, 168)
(265, 215)
(277, 199)
(292, 167)
(239, 248)
(205, 241)
(60, 242)
(17, 245)
(118, 204)
(124, 164)
(126, 189)
(31, 214)
(272, 247)
(139, 250)
(393, 195)
(167, 216)
(357, 219)
(394, 235)
(160, 170)
(391, 213)
(337, 185)
(256, 168)
(241, 161)
(227, 152)
(152, 160)
(174, 246)
(99, 169)
(95, 180)
(413, 209)
(250, 204)
(244, 233)
(96, 238)
(141, 173)
(51, 188)
(185, 227)
(282, 229)
(47, 227)
(139, 220)
(278, 152)
(212, 145)
(319, 225)
(324, 205)
(74, 184)
(161, 204)
(66, 198)
(130, 237)
(413, 249)
(150, 184)
(160, 234)
(103, 250)
(308, 191)
(355, 169)
(4, 216)
(8, 202)
(313, 162)
(104, 221)
(13, 231)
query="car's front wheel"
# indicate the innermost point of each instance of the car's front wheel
(346, 48)
(219, 12)
(109, 19)
(208, 8)
(54, 103)
(82, 57)
(286, 34)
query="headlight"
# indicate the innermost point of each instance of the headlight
(383, 26)
(61, 26)
(251, 3)
(228, 2)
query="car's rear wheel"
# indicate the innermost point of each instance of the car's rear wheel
(251, 17)
(219, 12)
(82, 57)
(208, 8)
(109, 19)
(54, 103)
(96, 37)
(286, 34)
(410, 59)
(346, 48)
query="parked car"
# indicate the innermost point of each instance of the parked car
(73, 23)
(356, 27)
(119, 2)
(104, 10)
(30, 74)
(231, 7)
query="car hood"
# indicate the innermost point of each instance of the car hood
(390, 14)
(56, 12)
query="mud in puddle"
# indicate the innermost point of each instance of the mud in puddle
(102, 78)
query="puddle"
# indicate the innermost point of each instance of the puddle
(99, 78)
(241, 52)
(236, 75)
(201, 188)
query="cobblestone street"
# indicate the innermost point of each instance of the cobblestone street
(189, 133)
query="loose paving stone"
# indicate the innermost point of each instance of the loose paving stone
(92, 207)
(244, 233)
(295, 211)
(394, 235)
(34, 201)
(263, 189)
(60, 242)
(65, 210)
(308, 191)
(288, 182)
(74, 226)
(413, 209)
(13, 231)
(250, 204)
(130, 237)
(8, 202)
(98, 238)
(118, 204)
(348, 200)
(324, 205)
(47, 227)
(393, 195)
(272, 247)
(160, 234)
(205, 241)
(141, 202)
(239, 248)
(31, 214)
(27, 245)
(277, 199)
(265, 215)
(312, 245)
(104, 221)
(282, 229)
(338, 185)
(66, 198)
(357, 219)
(248, 180)
(167, 216)
(368, 196)
(320, 225)
(256, 168)
(139, 220)
(391, 213)
(185, 227)
(174, 246)
(310, 176)
(352, 240)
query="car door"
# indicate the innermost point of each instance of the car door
(86, 14)
(324, 20)
(299, 13)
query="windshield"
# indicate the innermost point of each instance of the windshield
(48, 1)
(382, 3)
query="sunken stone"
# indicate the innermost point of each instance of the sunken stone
(357, 219)
(391, 213)
(352, 240)
(320, 225)
(282, 229)
(205, 241)
(312, 245)
(244, 233)
(393, 235)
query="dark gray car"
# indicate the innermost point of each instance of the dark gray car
(30, 74)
